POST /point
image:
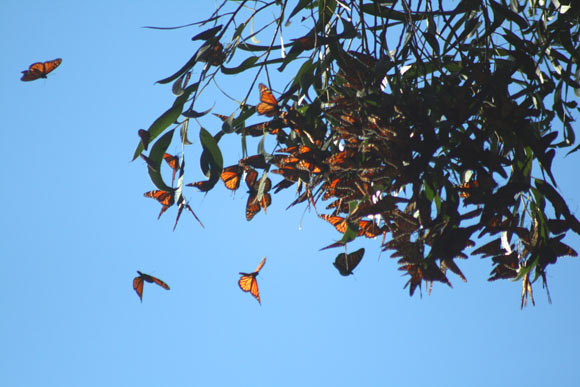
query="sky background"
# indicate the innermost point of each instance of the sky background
(75, 227)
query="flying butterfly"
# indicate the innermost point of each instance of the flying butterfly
(166, 198)
(248, 282)
(268, 105)
(345, 263)
(40, 70)
(138, 283)
(253, 206)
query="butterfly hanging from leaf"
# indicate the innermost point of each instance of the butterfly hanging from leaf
(139, 280)
(268, 105)
(40, 70)
(345, 263)
(249, 283)
(254, 204)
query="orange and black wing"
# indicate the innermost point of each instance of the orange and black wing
(346, 263)
(138, 286)
(173, 162)
(253, 205)
(166, 199)
(249, 283)
(155, 280)
(268, 105)
(231, 176)
(40, 70)
(338, 222)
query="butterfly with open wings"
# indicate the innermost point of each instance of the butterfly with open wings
(40, 70)
(249, 283)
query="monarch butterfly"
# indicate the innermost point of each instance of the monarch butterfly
(166, 198)
(231, 176)
(346, 263)
(213, 55)
(248, 282)
(253, 205)
(365, 227)
(173, 162)
(40, 70)
(268, 105)
(138, 283)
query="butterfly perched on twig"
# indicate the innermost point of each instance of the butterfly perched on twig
(139, 280)
(248, 282)
(40, 70)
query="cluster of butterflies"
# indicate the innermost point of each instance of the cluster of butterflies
(247, 282)
(40, 70)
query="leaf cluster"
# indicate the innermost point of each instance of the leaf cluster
(430, 126)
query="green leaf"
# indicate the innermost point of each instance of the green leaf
(207, 34)
(156, 157)
(211, 160)
(186, 67)
(167, 118)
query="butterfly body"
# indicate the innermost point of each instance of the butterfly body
(139, 280)
(249, 283)
(40, 70)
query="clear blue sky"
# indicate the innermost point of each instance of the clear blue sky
(75, 227)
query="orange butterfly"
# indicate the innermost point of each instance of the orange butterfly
(346, 263)
(166, 199)
(138, 283)
(248, 282)
(367, 228)
(253, 205)
(268, 105)
(173, 162)
(40, 69)
(231, 176)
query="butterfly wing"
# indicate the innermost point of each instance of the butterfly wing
(346, 263)
(252, 207)
(268, 105)
(248, 283)
(155, 280)
(254, 290)
(338, 222)
(50, 65)
(173, 162)
(166, 199)
(138, 286)
(231, 176)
